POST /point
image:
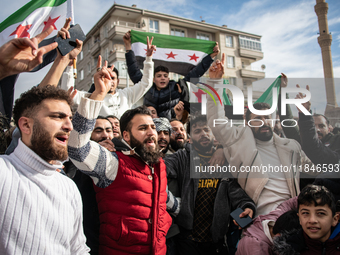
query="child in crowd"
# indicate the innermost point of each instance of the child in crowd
(318, 218)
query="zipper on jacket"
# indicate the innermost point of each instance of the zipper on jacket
(245, 184)
(294, 173)
(324, 248)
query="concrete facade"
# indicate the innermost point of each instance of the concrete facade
(106, 39)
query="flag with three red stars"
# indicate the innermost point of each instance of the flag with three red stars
(179, 54)
(29, 21)
(34, 17)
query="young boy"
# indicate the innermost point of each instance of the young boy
(318, 217)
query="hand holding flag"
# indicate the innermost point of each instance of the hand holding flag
(216, 70)
(23, 54)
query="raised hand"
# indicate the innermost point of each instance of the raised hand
(179, 110)
(308, 104)
(284, 80)
(102, 80)
(64, 33)
(22, 54)
(216, 50)
(149, 47)
(127, 40)
(216, 69)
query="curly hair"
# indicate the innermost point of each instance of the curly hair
(30, 101)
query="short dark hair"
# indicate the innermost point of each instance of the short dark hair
(317, 195)
(257, 106)
(112, 116)
(160, 69)
(195, 120)
(125, 120)
(116, 71)
(30, 101)
(287, 222)
(104, 118)
(318, 115)
(92, 87)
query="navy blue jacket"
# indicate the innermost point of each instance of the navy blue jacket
(165, 99)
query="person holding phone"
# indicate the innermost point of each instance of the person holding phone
(207, 201)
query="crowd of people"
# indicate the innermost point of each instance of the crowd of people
(116, 178)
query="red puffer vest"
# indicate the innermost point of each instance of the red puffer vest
(132, 210)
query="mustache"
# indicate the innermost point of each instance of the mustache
(162, 140)
(150, 139)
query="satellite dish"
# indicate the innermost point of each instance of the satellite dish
(263, 67)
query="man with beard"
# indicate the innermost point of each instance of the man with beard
(130, 184)
(40, 209)
(206, 201)
(319, 144)
(115, 126)
(179, 136)
(256, 152)
(163, 129)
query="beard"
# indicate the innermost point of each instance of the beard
(266, 136)
(42, 143)
(197, 145)
(177, 145)
(148, 154)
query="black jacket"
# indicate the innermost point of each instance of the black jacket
(165, 99)
(229, 196)
(326, 151)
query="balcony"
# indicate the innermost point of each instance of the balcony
(95, 49)
(247, 53)
(253, 74)
(121, 27)
(116, 55)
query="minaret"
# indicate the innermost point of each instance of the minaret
(325, 41)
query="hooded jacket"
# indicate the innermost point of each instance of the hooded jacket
(132, 196)
(165, 99)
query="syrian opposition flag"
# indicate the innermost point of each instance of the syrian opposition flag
(33, 18)
(179, 54)
(29, 21)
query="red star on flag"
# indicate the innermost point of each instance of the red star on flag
(22, 31)
(199, 94)
(193, 57)
(171, 55)
(50, 22)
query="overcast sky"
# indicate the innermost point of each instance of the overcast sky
(288, 28)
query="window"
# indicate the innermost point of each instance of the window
(250, 43)
(89, 67)
(81, 55)
(89, 46)
(229, 41)
(177, 32)
(154, 26)
(232, 80)
(81, 75)
(230, 62)
(106, 54)
(106, 30)
(203, 36)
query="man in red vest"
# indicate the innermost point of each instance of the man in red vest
(130, 184)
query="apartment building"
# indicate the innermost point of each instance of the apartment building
(106, 39)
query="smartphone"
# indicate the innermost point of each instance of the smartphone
(68, 44)
(242, 222)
